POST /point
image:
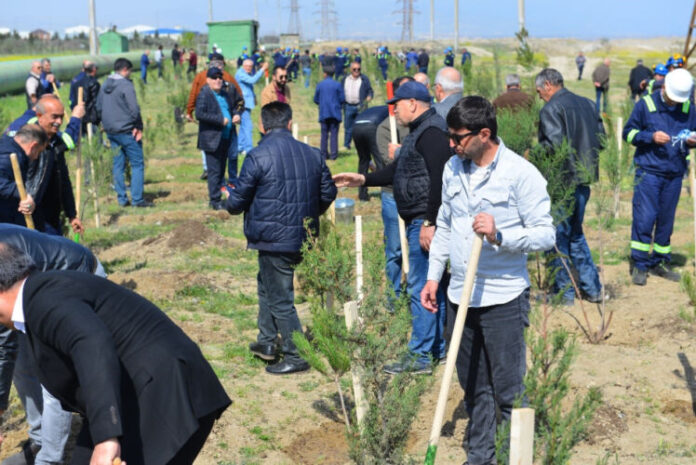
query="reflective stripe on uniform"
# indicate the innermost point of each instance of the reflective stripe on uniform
(69, 142)
(640, 246)
(650, 86)
(33, 120)
(631, 134)
(685, 106)
(649, 102)
(663, 249)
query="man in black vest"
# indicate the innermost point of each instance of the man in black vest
(145, 390)
(33, 89)
(417, 180)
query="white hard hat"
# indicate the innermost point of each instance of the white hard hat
(678, 85)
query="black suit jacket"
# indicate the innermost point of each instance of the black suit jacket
(117, 359)
(210, 116)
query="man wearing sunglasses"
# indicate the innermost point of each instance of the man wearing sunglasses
(358, 92)
(417, 179)
(490, 190)
(276, 90)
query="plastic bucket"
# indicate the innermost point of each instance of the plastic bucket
(344, 210)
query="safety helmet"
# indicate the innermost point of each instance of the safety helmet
(678, 85)
(448, 49)
(669, 62)
(678, 60)
(660, 69)
(244, 47)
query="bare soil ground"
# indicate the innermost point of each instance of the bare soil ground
(194, 264)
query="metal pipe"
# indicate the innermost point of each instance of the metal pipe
(520, 13)
(13, 74)
(93, 41)
(432, 19)
(456, 26)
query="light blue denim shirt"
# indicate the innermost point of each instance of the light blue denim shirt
(246, 82)
(514, 193)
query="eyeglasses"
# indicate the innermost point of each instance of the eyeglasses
(283, 77)
(355, 69)
(219, 78)
(458, 138)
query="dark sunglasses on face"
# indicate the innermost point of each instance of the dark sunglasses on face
(219, 78)
(458, 138)
(355, 69)
(283, 77)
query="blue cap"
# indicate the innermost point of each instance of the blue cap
(448, 49)
(661, 70)
(411, 89)
(244, 47)
(338, 49)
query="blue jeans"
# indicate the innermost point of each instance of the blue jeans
(655, 200)
(277, 312)
(49, 424)
(392, 241)
(246, 141)
(427, 329)
(571, 242)
(350, 112)
(329, 128)
(490, 368)
(599, 92)
(232, 159)
(143, 74)
(307, 73)
(124, 146)
(423, 69)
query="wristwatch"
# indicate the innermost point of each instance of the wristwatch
(427, 223)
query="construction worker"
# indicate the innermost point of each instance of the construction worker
(449, 57)
(242, 57)
(382, 62)
(660, 127)
(338, 63)
(674, 62)
(656, 82)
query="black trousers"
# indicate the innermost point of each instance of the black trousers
(365, 138)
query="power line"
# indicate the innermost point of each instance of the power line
(294, 26)
(407, 11)
(328, 19)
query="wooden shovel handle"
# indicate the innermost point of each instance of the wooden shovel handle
(20, 187)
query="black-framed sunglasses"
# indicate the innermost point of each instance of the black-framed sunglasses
(355, 69)
(458, 138)
(283, 77)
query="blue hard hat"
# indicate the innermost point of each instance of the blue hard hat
(345, 49)
(670, 62)
(448, 49)
(244, 47)
(287, 49)
(661, 69)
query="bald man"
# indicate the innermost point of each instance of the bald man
(448, 89)
(49, 179)
(423, 79)
(246, 78)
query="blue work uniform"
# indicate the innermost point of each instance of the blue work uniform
(658, 178)
(383, 64)
(449, 59)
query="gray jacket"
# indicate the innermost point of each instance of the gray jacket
(117, 106)
(442, 108)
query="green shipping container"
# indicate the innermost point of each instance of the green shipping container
(112, 42)
(231, 36)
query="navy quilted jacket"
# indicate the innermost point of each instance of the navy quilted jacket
(282, 182)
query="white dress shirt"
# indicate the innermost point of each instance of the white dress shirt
(18, 309)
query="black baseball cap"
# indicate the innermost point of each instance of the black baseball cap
(214, 73)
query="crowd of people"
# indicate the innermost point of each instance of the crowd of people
(449, 177)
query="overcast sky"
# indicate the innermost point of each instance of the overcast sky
(585, 19)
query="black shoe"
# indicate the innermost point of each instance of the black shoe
(409, 363)
(286, 367)
(597, 298)
(204, 176)
(26, 456)
(639, 277)
(144, 204)
(664, 270)
(264, 351)
(123, 205)
(216, 205)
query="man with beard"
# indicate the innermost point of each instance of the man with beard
(490, 190)
(276, 90)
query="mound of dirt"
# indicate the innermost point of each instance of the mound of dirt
(608, 424)
(326, 445)
(194, 233)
